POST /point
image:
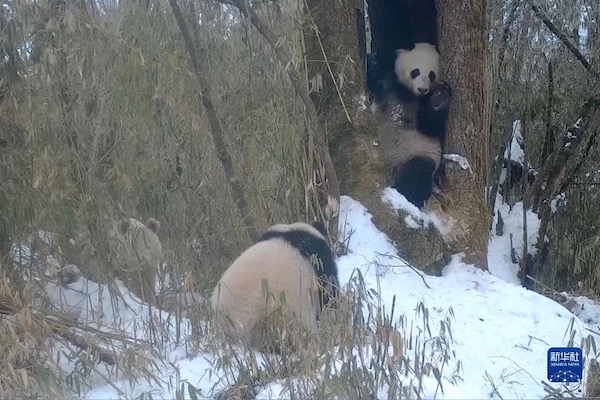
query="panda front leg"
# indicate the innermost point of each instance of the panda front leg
(439, 104)
(439, 101)
(433, 111)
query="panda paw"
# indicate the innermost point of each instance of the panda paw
(440, 98)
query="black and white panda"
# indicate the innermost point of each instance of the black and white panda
(409, 100)
(410, 105)
(293, 259)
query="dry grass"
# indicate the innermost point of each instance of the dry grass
(139, 122)
(35, 337)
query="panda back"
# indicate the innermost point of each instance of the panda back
(240, 292)
(402, 144)
(313, 249)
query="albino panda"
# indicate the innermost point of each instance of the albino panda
(138, 256)
(410, 105)
(293, 261)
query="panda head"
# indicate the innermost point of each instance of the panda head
(418, 69)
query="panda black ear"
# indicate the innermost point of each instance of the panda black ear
(320, 226)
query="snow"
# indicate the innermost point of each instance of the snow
(496, 333)
(362, 102)
(515, 151)
(559, 201)
(500, 329)
(589, 312)
(95, 305)
(499, 247)
(197, 371)
(415, 218)
(460, 160)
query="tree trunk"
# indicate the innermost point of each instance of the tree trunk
(462, 24)
(216, 129)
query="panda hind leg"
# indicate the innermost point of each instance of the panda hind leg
(415, 180)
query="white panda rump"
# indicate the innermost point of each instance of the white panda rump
(269, 276)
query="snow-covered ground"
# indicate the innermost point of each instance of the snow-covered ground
(500, 332)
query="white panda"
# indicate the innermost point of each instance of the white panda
(410, 104)
(138, 253)
(291, 259)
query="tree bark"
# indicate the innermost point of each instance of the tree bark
(462, 26)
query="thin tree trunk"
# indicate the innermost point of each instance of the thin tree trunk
(326, 171)
(462, 45)
(216, 129)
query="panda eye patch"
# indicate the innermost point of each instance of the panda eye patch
(432, 76)
(414, 73)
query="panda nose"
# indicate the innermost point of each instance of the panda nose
(423, 90)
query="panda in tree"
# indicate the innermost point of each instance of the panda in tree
(409, 100)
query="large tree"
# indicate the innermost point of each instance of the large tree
(462, 27)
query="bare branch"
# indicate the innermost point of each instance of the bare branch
(583, 157)
(82, 344)
(552, 173)
(548, 146)
(525, 258)
(551, 180)
(563, 38)
(512, 16)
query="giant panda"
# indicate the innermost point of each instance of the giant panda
(410, 106)
(138, 251)
(408, 99)
(294, 262)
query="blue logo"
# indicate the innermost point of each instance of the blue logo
(565, 364)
